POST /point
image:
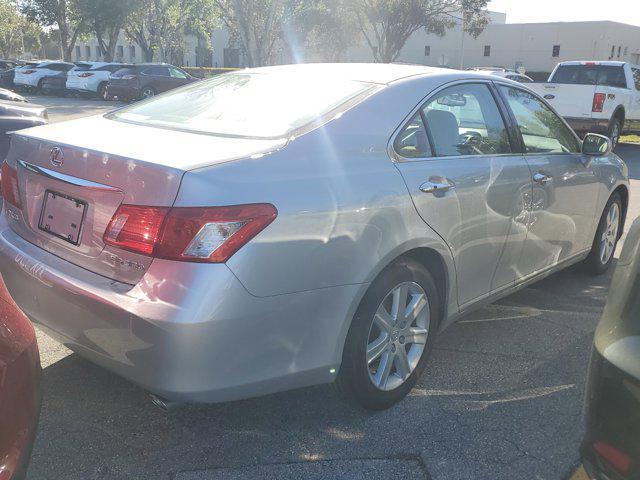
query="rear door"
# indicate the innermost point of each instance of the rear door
(158, 77)
(457, 159)
(564, 191)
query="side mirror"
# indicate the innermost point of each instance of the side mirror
(595, 145)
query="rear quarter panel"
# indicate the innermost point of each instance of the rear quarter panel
(344, 211)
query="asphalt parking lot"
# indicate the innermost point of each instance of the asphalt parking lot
(501, 399)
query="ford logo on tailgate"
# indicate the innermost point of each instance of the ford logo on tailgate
(56, 157)
(549, 97)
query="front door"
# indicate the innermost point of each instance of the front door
(564, 189)
(457, 160)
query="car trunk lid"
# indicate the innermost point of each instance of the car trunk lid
(70, 192)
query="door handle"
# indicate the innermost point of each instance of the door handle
(542, 179)
(436, 187)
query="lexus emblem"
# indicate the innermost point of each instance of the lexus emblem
(56, 157)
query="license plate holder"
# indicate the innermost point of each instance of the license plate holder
(62, 216)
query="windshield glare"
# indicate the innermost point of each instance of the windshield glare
(245, 104)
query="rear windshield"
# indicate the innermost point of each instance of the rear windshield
(607, 75)
(245, 104)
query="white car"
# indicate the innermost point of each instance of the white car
(600, 97)
(93, 80)
(504, 73)
(32, 76)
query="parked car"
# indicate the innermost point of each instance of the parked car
(270, 207)
(504, 73)
(32, 77)
(611, 447)
(14, 116)
(93, 80)
(146, 80)
(11, 96)
(55, 85)
(20, 393)
(602, 97)
(8, 64)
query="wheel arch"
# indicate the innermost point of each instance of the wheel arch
(623, 191)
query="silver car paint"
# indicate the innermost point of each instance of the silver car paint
(276, 315)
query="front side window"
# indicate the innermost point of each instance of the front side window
(412, 142)
(177, 73)
(542, 130)
(246, 104)
(465, 120)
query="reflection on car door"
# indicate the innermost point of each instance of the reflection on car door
(457, 159)
(564, 191)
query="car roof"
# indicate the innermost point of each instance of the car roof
(607, 63)
(380, 73)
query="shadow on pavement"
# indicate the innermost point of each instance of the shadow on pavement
(502, 398)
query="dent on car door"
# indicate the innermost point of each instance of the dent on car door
(457, 160)
(564, 192)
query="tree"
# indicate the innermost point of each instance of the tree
(62, 14)
(328, 29)
(17, 33)
(387, 24)
(262, 26)
(160, 25)
(106, 19)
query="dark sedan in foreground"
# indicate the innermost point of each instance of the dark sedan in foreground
(146, 80)
(611, 448)
(20, 395)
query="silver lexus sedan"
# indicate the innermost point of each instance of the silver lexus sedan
(280, 227)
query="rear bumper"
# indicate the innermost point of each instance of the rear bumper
(187, 331)
(582, 126)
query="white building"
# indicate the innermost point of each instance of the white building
(538, 47)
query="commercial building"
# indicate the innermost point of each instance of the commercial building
(537, 47)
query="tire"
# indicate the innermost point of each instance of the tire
(363, 381)
(102, 92)
(615, 131)
(39, 89)
(606, 239)
(147, 92)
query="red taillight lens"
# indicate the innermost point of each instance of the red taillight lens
(598, 102)
(136, 229)
(85, 75)
(192, 234)
(614, 457)
(9, 182)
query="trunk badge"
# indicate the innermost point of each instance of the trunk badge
(56, 156)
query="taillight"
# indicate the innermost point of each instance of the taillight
(620, 461)
(85, 75)
(191, 234)
(28, 72)
(9, 182)
(128, 77)
(598, 102)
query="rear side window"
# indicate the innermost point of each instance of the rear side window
(607, 75)
(123, 71)
(412, 142)
(542, 130)
(158, 71)
(465, 120)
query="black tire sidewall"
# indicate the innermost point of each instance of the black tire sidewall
(615, 121)
(354, 378)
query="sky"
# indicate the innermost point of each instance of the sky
(521, 11)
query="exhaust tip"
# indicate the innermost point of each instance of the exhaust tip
(163, 404)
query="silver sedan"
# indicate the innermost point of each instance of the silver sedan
(280, 227)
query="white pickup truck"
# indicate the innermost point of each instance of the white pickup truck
(595, 97)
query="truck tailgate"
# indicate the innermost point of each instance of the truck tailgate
(573, 101)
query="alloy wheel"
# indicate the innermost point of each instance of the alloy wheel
(398, 336)
(610, 234)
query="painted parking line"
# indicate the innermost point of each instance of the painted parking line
(580, 474)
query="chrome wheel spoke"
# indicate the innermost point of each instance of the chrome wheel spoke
(376, 348)
(415, 307)
(383, 320)
(402, 364)
(384, 370)
(399, 303)
(417, 336)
